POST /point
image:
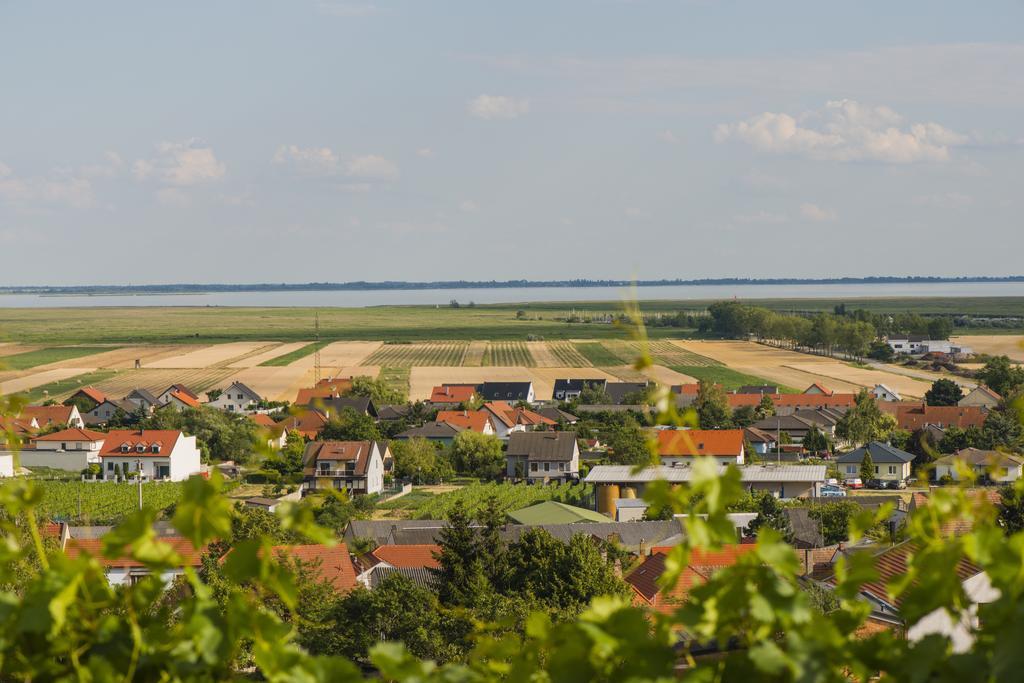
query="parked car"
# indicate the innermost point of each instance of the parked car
(876, 484)
(830, 491)
(895, 484)
(854, 483)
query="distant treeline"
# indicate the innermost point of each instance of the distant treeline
(478, 284)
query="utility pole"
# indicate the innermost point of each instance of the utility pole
(138, 467)
(778, 440)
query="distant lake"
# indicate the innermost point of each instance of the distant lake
(429, 297)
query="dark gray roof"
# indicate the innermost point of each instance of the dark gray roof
(505, 391)
(380, 529)
(421, 576)
(425, 536)
(618, 391)
(787, 423)
(880, 453)
(822, 418)
(333, 406)
(610, 408)
(542, 445)
(758, 389)
(557, 415)
(393, 412)
(143, 394)
(245, 389)
(806, 531)
(628, 534)
(578, 384)
(162, 528)
(431, 430)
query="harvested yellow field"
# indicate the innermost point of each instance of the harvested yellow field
(24, 382)
(11, 348)
(423, 379)
(273, 383)
(208, 356)
(124, 357)
(475, 354)
(341, 354)
(799, 370)
(423, 353)
(255, 359)
(1011, 345)
(627, 373)
(543, 356)
(667, 376)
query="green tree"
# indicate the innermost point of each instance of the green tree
(939, 328)
(350, 425)
(865, 422)
(766, 408)
(712, 406)
(943, 392)
(477, 455)
(290, 459)
(594, 395)
(815, 441)
(771, 515)
(867, 467)
(420, 461)
(377, 390)
(1002, 376)
(219, 434)
(627, 443)
(460, 578)
(1011, 509)
(744, 416)
(834, 519)
(336, 511)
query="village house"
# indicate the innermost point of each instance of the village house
(124, 570)
(356, 467)
(818, 389)
(158, 454)
(914, 416)
(179, 400)
(980, 397)
(701, 565)
(48, 417)
(333, 407)
(330, 564)
(566, 390)
(889, 463)
(475, 421)
(542, 456)
(883, 393)
(680, 446)
(144, 399)
(623, 392)
(165, 395)
(987, 466)
(507, 419)
(86, 398)
(513, 392)
(453, 394)
(69, 449)
(440, 432)
(916, 344)
(413, 561)
(107, 409)
(236, 398)
(324, 389)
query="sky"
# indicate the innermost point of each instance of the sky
(306, 140)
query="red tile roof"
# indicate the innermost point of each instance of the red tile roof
(740, 400)
(165, 438)
(893, 562)
(308, 423)
(92, 393)
(820, 387)
(335, 564)
(813, 400)
(408, 556)
(702, 565)
(912, 416)
(185, 398)
(511, 416)
(190, 556)
(73, 434)
(343, 451)
(453, 393)
(46, 415)
(475, 421)
(695, 442)
(325, 388)
(263, 420)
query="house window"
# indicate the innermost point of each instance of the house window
(63, 446)
(156, 448)
(533, 467)
(125, 448)
(892, 469)
(561, 467)
(851, 469)
(231, 407)
(876, 469)
(110, 466)
(547, 467)
(140, 448)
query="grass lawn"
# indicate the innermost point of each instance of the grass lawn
(68, 385)
(410, 501)
(295, 355)
(599, 355)
(31, 359)
(729, 379)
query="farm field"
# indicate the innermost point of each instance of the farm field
(80, 502)
(543, 355)
(11, 348)
(449, 353)
(264, 357)
(1011, 345)
(798, 370)
(509, 497)
(203, 325)
(508, 354)
(68, 385)
(204, 357)
(274, 383)
(20, 383)
(567, 354)
(49, 355)
(158, 379)
(475, 353)
(597, 353)
(343, 353)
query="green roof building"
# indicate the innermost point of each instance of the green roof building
(551, 512)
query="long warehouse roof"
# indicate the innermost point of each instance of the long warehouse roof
(623, 474)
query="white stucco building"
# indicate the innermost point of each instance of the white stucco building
(164, 454)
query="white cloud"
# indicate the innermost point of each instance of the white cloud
(813, 212)
(57, 188)
(424, 152)
(181, 164)
(948, 200)
(490, 107)
(372, 167)
(316, 160)
(844, 131)
(468, 206)
(669, 137)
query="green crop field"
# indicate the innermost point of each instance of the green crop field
(509, 497)
(79, 502)
(31, 359)
(289, 358)
(450, 353)
(598, 354)
(568, 354)
(504, 354)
